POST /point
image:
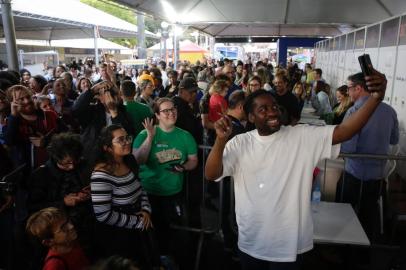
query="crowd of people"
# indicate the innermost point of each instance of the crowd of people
(106, 151)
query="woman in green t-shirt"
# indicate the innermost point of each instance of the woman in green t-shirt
(164, 152)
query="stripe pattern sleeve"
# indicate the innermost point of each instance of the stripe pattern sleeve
(110, 194)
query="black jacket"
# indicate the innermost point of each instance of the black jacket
(48, 186)
(92, 118)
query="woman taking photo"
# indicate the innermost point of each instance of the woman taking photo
(120, 204)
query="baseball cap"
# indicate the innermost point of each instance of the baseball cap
(189, 84)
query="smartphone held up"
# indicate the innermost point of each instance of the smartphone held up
(365, 64)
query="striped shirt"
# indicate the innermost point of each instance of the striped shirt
(110, 193)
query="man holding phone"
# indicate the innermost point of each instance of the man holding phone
(272, 169)
(364, 176)
(93, 117)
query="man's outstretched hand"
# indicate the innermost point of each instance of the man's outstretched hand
(376, 84)
(223, 127)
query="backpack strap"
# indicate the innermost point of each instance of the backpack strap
(65, 264)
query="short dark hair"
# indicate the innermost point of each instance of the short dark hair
(222, 77)
(173, 73)
(319, 71)
(40, 80)
(249, 101)
(162, 64)
(128, 88)
(358, 79)
(235, 99)
(156, 71)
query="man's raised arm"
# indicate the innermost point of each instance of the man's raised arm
(214, 163)
(376, 84)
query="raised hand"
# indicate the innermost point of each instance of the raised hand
(110, 102)
(376, 84)
(223, 127)
(15, 104)
(149, 126)
(101, 87)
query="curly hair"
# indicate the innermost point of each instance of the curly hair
(65, 145)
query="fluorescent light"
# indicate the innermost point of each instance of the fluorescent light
(169, 11)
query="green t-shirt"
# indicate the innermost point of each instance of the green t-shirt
(138, 112)
(167, 148)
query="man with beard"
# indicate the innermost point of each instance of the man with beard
(27, 133)
(28, 128)
(272, 170)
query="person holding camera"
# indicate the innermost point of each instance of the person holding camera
(272, 168)
(93, 116)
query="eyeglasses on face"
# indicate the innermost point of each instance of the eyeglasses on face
(123, 140)
(66, 164)
(168, 111)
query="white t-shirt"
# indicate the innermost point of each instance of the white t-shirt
(272, 184)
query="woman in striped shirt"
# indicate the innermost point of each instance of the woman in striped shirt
(120, 204)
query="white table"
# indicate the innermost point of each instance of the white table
(336, 223)
(312, 121)
(308, 116)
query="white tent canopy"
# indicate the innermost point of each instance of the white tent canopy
(82, 43)
(225, 18)
(65, 19)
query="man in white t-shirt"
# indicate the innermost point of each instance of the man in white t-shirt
(272, 170)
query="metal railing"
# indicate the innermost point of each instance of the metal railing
(216, 229)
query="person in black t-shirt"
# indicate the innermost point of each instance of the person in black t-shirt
(288, 103)
(188, 121)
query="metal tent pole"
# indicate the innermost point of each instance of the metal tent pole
(96, 48)
(9, 34)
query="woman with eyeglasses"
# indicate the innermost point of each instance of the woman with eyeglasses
(147, 90)
(120, 204)
(61, 182)
(254, 84)
(165, 153)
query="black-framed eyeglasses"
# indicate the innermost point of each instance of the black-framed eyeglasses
(168, 111)
(123, 140)
(350, 87)
(66, 164)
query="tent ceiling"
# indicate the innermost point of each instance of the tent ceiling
(222, 18)
(66, 19)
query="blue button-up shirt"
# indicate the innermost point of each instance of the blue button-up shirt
(381, 130)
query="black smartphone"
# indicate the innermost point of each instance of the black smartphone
(366, 64)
